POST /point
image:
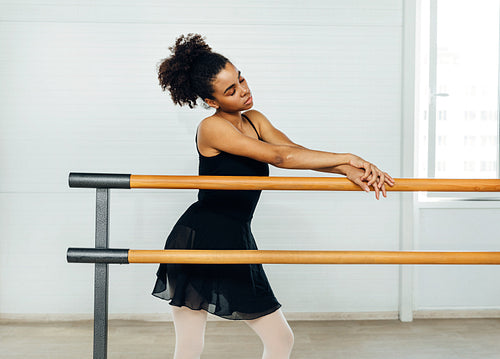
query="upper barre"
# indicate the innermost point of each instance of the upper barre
(128, 181)
(192, 256)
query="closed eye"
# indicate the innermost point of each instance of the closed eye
(241, 79)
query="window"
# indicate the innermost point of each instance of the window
(458, 131)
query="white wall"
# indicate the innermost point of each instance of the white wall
(455, 289)
(78, 92)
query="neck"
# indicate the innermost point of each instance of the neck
(233, 117)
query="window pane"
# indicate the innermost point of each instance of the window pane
(467, 88)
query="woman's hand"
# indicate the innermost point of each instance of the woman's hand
(365, 174)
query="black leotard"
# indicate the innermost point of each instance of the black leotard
(220, 219)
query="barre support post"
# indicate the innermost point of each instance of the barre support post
(101, 277)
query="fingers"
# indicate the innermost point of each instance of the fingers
(372, 178)
(389, 180)
(367, 168)
(377, 192)
(381, 179)
(375, 187)
(378, 184)
(370, 170)
(362, 184)
(377, 176)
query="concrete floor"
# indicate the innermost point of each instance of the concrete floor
(378, 339)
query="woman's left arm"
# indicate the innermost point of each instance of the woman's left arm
(271, 134)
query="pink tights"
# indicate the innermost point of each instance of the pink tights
(272, 329)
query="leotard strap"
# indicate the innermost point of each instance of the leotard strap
(246, 117)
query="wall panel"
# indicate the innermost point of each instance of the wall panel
(78, 92)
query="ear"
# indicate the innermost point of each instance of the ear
(212, 103)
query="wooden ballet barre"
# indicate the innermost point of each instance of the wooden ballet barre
(101, 255)
(102, 180)
(125, 256)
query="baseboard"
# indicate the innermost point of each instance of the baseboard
(456, 313)
(303, 316)
(167, 317)
(291, 316)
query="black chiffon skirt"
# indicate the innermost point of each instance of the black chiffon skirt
(231, 291)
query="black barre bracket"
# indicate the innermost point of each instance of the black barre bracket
(99, 180)
(97, 255)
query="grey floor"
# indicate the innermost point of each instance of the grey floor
(380, 339)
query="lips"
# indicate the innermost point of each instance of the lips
(248, 101)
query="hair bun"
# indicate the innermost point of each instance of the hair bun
(189, 47)
(188, 73)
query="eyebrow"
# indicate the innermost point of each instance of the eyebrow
(230, 87)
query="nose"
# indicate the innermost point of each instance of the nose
(244, 90)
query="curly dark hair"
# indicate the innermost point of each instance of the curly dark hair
(188, 73)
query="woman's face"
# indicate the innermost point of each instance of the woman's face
(231, 92)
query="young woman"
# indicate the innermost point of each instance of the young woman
(235, 141)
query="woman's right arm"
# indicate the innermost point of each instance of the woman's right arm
(271, 134)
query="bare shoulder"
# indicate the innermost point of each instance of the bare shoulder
(259, 120)
(210, 120)
(213, 128)
(256, 116)
(267, 131)
(211, 124)
(207, 133)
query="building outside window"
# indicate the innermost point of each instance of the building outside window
(458, 122)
